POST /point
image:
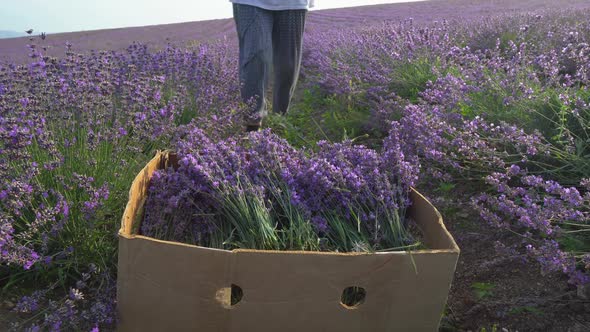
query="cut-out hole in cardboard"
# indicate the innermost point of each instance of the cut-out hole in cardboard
(236, 294)
(353, 296)
(229, 296)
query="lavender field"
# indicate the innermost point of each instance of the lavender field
(184, 34)
(484, 106)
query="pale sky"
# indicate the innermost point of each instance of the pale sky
(53, 16)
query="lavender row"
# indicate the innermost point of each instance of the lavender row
(479, 100)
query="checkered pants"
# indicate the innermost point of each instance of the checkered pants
(268, 38)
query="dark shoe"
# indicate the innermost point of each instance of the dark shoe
(250, 128)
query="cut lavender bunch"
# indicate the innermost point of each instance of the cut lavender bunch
(261, 193)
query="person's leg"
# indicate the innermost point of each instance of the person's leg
(287, 38)
(254, 27)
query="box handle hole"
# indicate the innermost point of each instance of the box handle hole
(236, 294)
(229, 296)
(353, 297)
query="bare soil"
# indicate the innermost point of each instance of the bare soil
(493, 290)
(6, 315)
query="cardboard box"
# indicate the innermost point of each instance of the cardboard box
(168, 286)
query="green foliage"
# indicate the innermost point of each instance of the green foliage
(576, 242)
(258, 225)
(551, 111)
(506, 37)
(249, 217)
(316, 116)
(445, 187)
(482, 289)
(410, 78)
(493, 328)
(525, 309)
(296, 136)
(567, 129)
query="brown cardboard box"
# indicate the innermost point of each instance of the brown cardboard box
(168, 286)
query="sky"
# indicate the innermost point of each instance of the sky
(54, 16)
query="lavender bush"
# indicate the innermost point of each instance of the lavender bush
(473, 100)
(73, 134)
(545, 213)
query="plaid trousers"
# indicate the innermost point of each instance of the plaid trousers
(268, 40)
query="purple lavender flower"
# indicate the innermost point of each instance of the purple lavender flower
(342, 181)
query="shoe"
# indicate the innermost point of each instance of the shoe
(250, 128)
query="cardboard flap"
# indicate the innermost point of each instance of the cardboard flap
(138, 193)
(430, 222)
